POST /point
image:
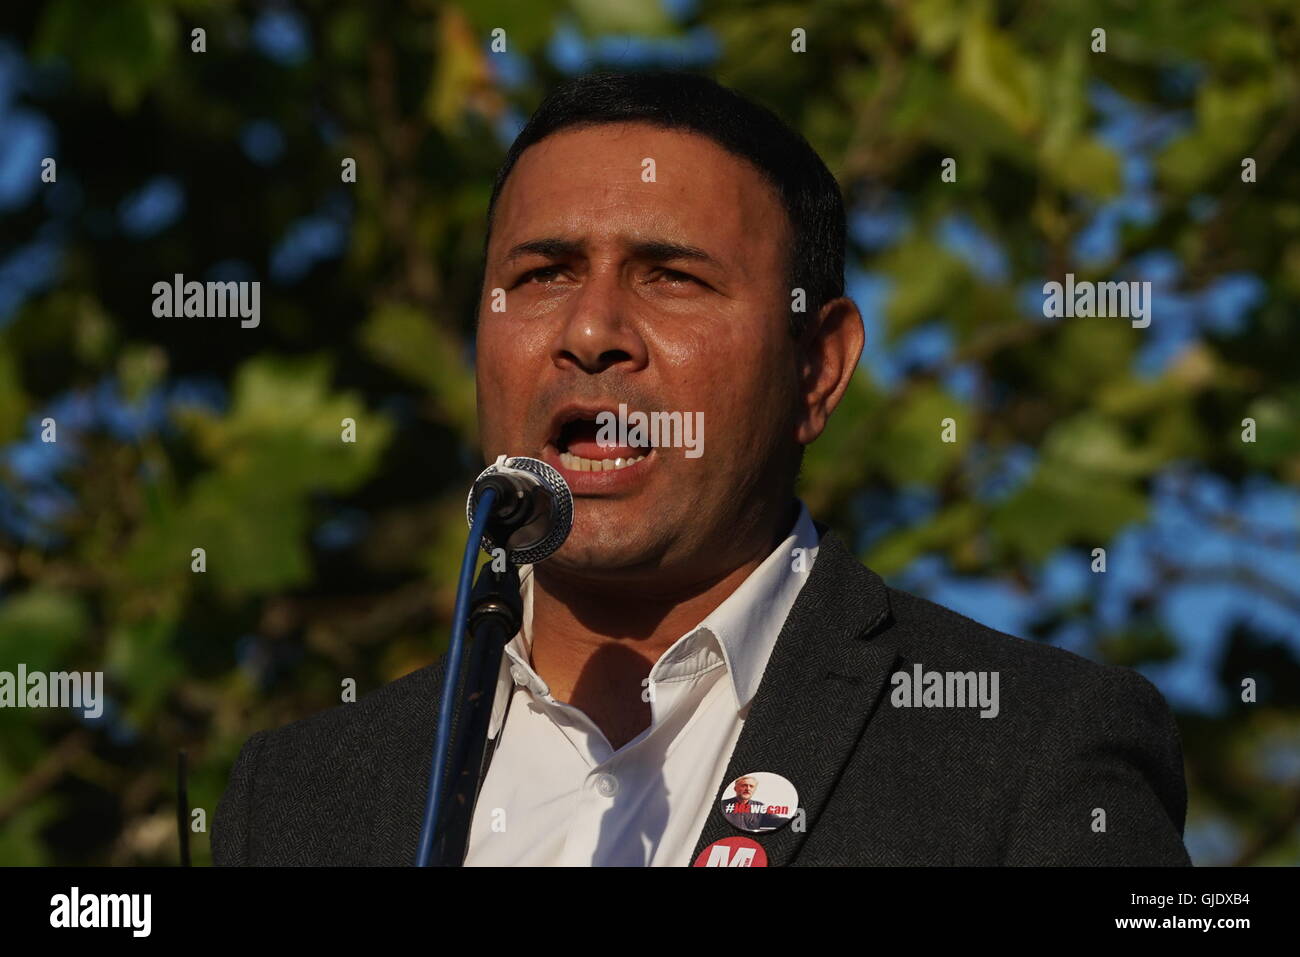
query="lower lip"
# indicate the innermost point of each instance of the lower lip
(599, 483)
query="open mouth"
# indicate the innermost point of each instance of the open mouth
(577, 443)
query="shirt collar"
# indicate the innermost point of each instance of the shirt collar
(748, 623)
(744, 628)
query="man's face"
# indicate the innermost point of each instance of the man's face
(745, 788)
(668, 296)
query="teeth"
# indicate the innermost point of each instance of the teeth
(576, 463)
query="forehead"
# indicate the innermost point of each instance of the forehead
(587, 183)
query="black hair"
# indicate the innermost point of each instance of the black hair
(747, 130)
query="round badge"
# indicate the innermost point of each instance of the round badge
(733, 852)
(759, 802)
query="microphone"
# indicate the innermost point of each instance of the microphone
(525, 507)
(533, 511)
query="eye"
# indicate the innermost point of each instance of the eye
(544, 273)
(675, 276)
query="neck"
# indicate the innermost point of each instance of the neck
(589, 633)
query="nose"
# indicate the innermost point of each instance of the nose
(597, 333)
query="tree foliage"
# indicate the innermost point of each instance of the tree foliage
(328, 560)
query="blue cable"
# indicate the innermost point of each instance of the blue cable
(433, 801)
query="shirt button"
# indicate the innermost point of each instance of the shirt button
(606, 785)
(517, 673)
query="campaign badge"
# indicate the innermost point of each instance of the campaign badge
(733, 852)
(759, 802)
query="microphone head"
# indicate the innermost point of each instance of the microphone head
(546, 533)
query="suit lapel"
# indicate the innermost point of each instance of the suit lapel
(820, 685)
(399, 772)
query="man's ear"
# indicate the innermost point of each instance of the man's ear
(829, 349)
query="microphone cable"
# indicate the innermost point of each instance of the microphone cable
(433, 800)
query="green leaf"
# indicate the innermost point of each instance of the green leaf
(22, 839)
(992, 72)
(411, 344)
(936, 23)
(13, 403)
(1084, 490)
(925, 278)
(527, 25)
(284, 426)
(646, 18)
(282, 441)
(1084, 165)
(1277, 429)
(954, 525)
(124, 46)
(144, 662)
(1089, 444)
(910, 447)
(40, 627)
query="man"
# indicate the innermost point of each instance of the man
(649, 238)
(745, 811)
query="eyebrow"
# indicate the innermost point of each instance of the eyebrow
(655, 250)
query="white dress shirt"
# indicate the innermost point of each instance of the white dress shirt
(557, 793)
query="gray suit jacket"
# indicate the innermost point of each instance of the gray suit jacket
(1081, 765)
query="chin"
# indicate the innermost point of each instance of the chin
(598, 549)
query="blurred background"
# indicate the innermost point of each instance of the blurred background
(328, 561)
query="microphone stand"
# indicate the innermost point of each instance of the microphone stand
(513, 496)
(495, 616)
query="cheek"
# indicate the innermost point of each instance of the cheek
(730, 347)
(504, 343)
(510, 354)
(738, 378)
(503, 374)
